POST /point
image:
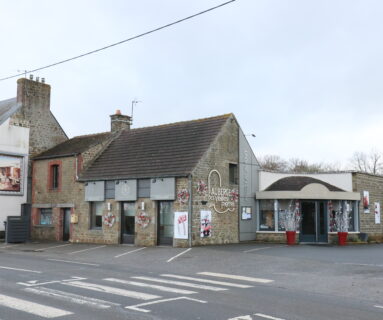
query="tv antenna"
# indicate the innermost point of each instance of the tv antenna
(134, 102)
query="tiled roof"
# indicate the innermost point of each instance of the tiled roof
(74, 146)
(165, 150)
(8, 108)
(296, 183)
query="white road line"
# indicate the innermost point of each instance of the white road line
(112, 290)
(83, 250)
(152, 286)
(132, 251)
(137, 306)
(180, 254)
(256, 249)
(361, 264)
(17, 269)
(35, 283)
(229, 284)
(32, 308)
(266, 316)
(235, 277)
(59, 246)
(75, 262)
(180, 283)
(71, 297)
(381, 307)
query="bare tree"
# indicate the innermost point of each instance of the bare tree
(273, 163)
(295, 165)
(369, 163)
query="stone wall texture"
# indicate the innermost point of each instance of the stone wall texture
(374, 185)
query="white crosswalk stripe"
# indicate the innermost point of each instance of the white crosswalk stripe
(32, 307)
(152, 286)
(112, 290)
(71, 297)
(222, 283)
(181, 283)
(235, 277)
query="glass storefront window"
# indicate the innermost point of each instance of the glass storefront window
(335, 207)
(266, 215)
(283, 205)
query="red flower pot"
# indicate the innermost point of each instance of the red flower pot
(290, 237)
(342, 238)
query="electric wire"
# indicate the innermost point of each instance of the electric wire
(120, 42)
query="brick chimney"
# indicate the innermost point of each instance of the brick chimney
(119, 122)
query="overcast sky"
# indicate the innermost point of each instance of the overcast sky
(304, 76)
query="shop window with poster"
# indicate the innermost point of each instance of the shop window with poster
(266, 215)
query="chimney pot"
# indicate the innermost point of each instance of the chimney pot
(118, 112)
(43, 80)
(37, 79)
(31, 77)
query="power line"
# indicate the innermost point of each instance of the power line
(120, 42)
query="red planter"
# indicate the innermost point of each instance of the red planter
(342, 238)
(290, 237)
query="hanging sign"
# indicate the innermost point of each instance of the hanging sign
(205, 223)
(377, 212)
(366, 202)
(181, 225)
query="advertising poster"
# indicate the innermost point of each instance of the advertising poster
(366, 202)
(181, 229)
(205, 224)
(377, 212)
(10, 173)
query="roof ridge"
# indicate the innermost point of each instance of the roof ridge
(89, 135)
(223, 116)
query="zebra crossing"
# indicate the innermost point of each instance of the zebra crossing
(152, 290)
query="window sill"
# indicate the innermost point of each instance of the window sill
(44, 226)
(282, 232)
(95, 229)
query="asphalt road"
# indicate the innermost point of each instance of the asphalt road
(245, 281)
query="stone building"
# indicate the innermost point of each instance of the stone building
(319, 199)
(27, 127)
(181, 184)
(55, 174)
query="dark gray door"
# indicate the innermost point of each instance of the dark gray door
(165, 223)
(128, 214)
(314, 222)
(66, 224)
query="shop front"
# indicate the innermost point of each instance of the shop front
(317, 202)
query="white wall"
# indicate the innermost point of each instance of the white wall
(14, 141)
(341, 180)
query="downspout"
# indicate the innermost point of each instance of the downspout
(76, 157)
(190, 211)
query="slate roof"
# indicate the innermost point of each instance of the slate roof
(74, 146)
(8, 108)
(166, 150)
(296, 183)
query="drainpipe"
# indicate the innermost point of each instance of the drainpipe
(76, 156)
(190, 215)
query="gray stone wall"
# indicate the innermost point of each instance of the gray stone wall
(374, 185)
(45, 131)
(225, 226)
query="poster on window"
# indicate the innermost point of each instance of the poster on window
(366, 202)
(181, 225)
(205, 223)
(377, 212)
(10, 173)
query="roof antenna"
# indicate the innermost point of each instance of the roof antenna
(134, 102)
